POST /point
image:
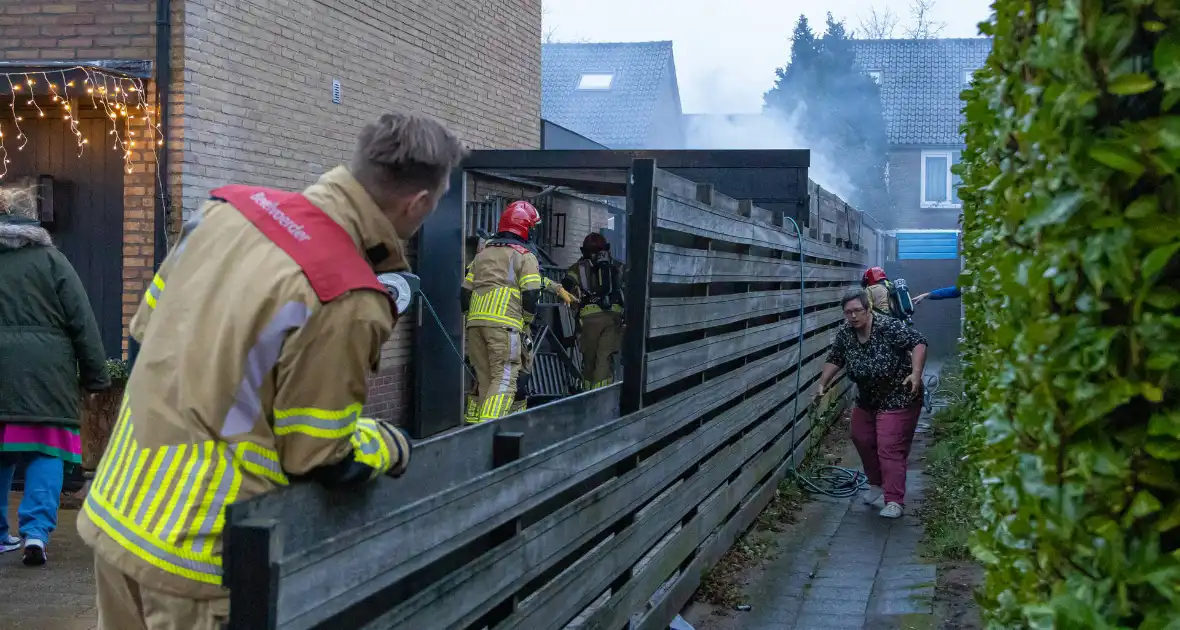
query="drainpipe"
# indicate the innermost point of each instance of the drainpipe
(163, 107)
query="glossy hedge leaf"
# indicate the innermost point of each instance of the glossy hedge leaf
(1071, 233)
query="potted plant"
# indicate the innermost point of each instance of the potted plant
(100, 411)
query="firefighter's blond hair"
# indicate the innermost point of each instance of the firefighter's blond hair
(408, 151)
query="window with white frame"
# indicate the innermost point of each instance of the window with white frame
(596, 81)
(940, 187)
(875, 75)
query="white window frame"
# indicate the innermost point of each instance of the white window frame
(875, 75)
(610, 83)
(949, 154)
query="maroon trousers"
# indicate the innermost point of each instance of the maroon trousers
(883, 439)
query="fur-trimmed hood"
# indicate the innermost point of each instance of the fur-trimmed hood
(17, 232)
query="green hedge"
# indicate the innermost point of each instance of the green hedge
(1071, 234)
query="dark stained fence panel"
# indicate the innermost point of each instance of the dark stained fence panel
(594, 518)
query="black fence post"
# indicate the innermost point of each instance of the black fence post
(641, 218)
(251, 565)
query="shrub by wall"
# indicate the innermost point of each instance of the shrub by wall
(1071, 234)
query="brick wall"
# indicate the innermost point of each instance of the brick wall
(257, 104)
(905, 189)
(78, 29)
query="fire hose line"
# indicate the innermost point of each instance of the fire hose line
(833, 481)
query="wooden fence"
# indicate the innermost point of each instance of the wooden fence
(598, 511)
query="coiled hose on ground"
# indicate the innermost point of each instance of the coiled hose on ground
(833, 481)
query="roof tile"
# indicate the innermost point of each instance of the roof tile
(921, 80)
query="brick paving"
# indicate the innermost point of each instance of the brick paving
(853, 570)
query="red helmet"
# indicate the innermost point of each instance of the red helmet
(594, 243)
(518, 218)
(872, 276)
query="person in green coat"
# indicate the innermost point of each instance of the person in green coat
(49, 346)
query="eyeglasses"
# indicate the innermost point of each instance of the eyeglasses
(854, 311)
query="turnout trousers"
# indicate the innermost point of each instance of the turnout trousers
(602, 335)
(496, 355)
(124, 604)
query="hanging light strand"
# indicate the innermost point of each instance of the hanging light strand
(121, 99)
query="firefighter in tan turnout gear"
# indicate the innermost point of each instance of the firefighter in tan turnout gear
(499, 298)
(257, 335)
(597, 279)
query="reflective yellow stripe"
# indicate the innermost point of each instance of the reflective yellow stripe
(469, 278)
(167, 478)
(369, 448)
(495, 406)
(171, 508)
(208, 498)
(260, 461)
(530, 282)
(194, 482)
(192, 500)
(492, 306)
(154, 291)
(204, 568)
(328, 424)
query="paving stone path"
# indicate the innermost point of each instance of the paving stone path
(853, 570)
(59, 596)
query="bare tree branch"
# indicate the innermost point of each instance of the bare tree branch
(878, 24)
(924, 27)
(548, 30)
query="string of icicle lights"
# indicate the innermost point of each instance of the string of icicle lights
(121, 98)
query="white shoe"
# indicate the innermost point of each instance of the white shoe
(873, 496)
(35, 555)
(892, 509)
(11, 543)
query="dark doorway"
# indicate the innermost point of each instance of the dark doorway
(87, 201)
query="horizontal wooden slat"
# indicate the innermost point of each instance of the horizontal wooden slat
(711, 512)
(348, 565)
(682, 265)
(676, 315)
(681, 214)
(721, 536)
(672, 364)
(473, 590)
(437, 464)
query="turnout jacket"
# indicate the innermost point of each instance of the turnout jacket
(248, 377)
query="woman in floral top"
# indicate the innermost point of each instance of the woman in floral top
(876, 352)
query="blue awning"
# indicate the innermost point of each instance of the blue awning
(927, 245)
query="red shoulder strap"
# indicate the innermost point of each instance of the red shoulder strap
(321, 248)
(521, 248)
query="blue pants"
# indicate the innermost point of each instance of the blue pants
(38, 509)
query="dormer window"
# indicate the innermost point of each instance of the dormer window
(875, 75)
(596, 81)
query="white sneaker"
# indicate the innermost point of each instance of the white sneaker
(35, 555)
(892, 509)
(11, 543)
(873, 496)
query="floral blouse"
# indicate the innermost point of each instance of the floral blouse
(879, 366)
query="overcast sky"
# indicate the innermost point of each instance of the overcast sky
(727, 50)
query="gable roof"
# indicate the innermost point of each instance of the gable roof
(620, 117)
(920, 84)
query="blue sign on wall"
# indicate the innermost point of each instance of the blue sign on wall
(932, 245)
